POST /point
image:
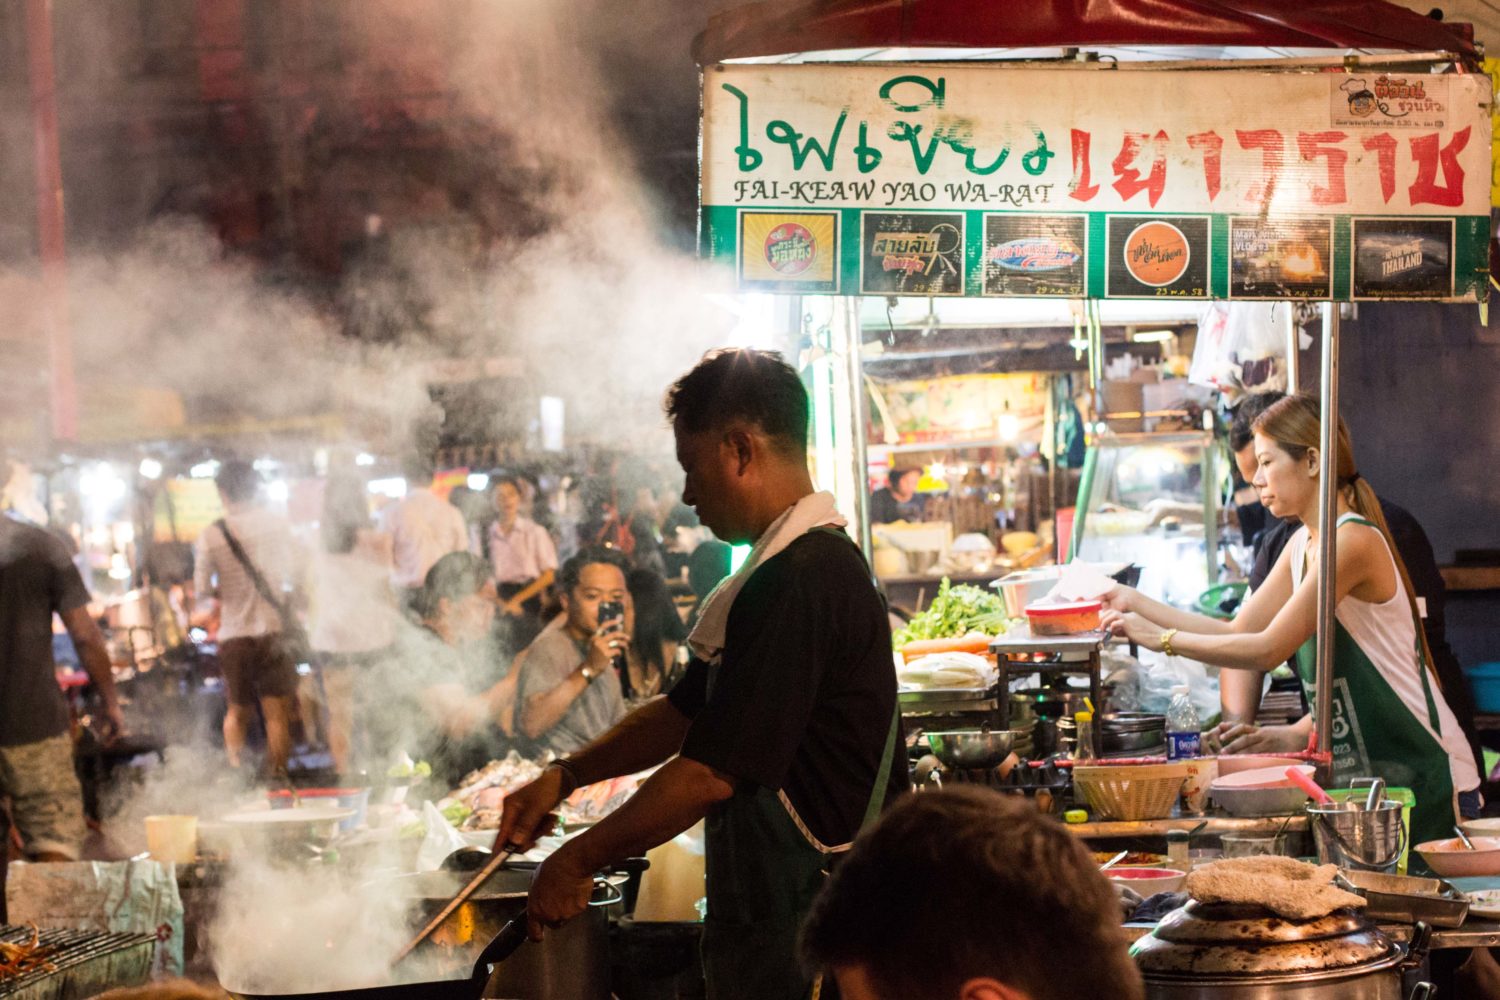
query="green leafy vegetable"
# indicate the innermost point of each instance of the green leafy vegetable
(955, 611)
(456, 812)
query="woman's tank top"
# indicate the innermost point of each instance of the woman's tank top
(1389, 719)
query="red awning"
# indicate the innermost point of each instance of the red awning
(782, 27)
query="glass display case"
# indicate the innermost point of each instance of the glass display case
(1153, 500)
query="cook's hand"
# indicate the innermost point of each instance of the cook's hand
(114, 723)
(527, 812)
(1133, 627)
(1119, 598)
(1247, 737)
(609, 641)
(560, 890)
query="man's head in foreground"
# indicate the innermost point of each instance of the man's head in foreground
(966, 894)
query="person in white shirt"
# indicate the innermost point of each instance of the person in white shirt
(423, 528)
(353, 613)
(253, 655)
(524, 560)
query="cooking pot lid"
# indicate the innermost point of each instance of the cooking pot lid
(1232, 939)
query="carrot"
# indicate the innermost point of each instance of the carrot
(963, 644)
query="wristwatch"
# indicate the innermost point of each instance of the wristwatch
(589, 673)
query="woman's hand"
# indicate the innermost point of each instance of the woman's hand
(1133, 627)
(1120, 598)
(1247, 737)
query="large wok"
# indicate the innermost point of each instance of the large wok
(501, 946)
(572, 962)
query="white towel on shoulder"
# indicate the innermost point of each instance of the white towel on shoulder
(816, 510)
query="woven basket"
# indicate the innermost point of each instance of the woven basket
(1130, 791)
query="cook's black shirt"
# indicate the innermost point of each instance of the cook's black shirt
(806, 688)
(37, 578)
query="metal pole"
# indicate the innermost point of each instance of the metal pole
(49, 219)
(853, 348)
(1327, 519)
(1293, 334)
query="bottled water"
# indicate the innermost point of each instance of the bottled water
(1183, 736)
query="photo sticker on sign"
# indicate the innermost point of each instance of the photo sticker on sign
(1403, 258)
(1154, 258)
(789, 251)
(1280, 258)
(912, 253)
(1035, 255)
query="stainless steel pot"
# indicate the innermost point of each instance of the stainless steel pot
(1229, 952)
(571, 962)
(972, 748)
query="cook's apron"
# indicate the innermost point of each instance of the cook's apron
(1374, 733)
(763, 869)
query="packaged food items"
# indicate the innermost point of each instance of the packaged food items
(1063, 618)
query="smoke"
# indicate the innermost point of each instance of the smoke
(484, 160)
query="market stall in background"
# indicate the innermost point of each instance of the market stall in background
(924, 222)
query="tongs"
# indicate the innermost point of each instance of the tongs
(480, 878)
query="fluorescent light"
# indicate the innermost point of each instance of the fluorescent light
(1153, 336)
(478, 481)
(263, 465)
(395, 487)
(364, 458)
(278, 491)
(150, 468)
(205, 470)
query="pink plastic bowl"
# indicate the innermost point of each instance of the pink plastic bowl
(1451, 859)
(1147, 881)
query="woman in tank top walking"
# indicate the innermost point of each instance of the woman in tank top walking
(1389, 715)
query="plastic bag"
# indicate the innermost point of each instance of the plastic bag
(440, 840)
(1145, 685)
(1241, 347)
(121, 896)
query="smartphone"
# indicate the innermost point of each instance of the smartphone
(613, 611)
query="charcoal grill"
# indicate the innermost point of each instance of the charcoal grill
(84, 963)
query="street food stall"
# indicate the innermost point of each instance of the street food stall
(1303, 178)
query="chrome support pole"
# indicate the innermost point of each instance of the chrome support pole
(1327, 520)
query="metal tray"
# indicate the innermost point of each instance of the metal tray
(944, 696)
(1407, 899)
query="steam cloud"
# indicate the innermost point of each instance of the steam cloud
(569, 268)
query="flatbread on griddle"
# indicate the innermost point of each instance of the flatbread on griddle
(1290, 888)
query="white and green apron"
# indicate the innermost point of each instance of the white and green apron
(1387, 720)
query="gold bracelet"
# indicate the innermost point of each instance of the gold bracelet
(1166, 641)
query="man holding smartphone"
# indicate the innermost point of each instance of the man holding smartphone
(569, 691)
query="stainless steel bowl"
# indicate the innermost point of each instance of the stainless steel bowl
(970, 748)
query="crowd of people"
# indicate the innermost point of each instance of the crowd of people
(451, 638)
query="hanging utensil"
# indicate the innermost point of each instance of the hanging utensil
(480, 878)
(1468, 844)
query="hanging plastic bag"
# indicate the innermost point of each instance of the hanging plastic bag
(1241, 348)
(119, 896)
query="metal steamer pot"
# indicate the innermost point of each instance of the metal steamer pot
(1224, 951)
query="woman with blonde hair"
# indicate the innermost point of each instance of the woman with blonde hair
(1389, 715)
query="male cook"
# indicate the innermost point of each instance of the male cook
(784, 727)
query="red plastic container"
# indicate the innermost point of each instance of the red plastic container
(1068, 618)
